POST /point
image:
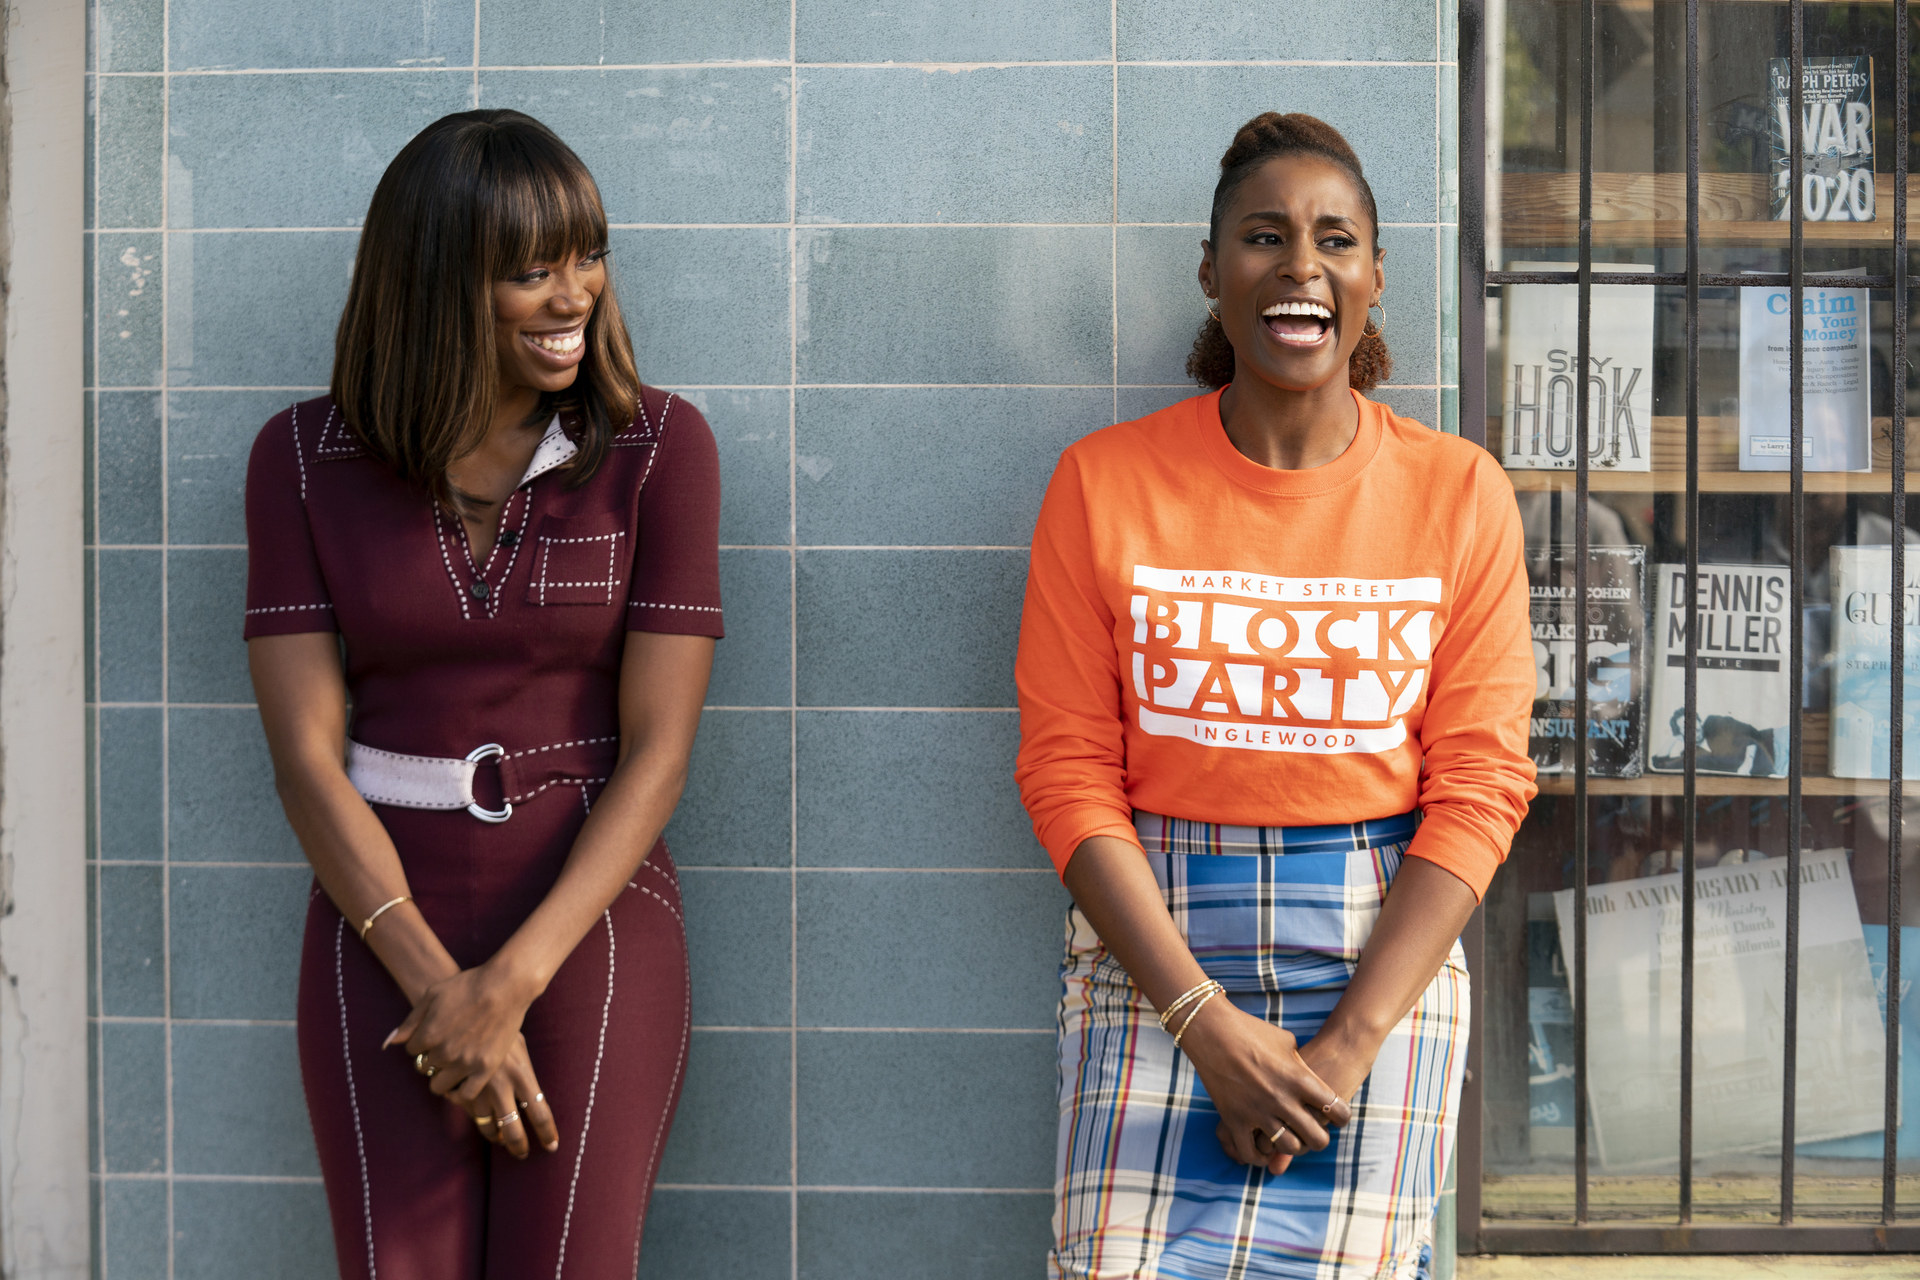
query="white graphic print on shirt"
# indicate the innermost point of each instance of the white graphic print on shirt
(1326, 666)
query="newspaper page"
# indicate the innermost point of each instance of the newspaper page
(1633, 1012)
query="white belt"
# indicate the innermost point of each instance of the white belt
(423, 782)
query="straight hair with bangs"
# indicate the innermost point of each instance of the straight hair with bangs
(475, 198)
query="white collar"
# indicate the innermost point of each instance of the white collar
(555, 449)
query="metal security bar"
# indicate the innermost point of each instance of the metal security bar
(1680, 1233)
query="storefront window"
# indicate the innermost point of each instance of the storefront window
(1785, 559)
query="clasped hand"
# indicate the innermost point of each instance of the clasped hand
(1276, 1101)
(464, 1035)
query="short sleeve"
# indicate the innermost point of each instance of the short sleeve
(676, 566)
(286, 592)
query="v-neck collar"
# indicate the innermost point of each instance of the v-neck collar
(555, 449)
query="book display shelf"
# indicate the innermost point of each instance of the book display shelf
(1724, 1075)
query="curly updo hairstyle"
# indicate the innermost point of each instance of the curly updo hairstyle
(1266, 136)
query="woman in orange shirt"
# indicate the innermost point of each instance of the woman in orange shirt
(1274, 702)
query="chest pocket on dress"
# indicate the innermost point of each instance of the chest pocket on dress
(578, 561)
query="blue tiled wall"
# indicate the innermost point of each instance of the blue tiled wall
(901, 259)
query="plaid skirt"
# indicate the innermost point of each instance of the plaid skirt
(1142, 1189)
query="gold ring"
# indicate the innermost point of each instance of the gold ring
(424, 1067)
(1274, 1141)
(483, 1120)
(512, 1117)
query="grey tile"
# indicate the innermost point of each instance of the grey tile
(206, 603)
(134, 1234)
(133, 942)
(246, 1230)
(128, 309)
(911, 789)
(128, 35)
(950, 644)
(940, 466)
(129, 146)
(754, 435)
(1164, 30)
(222, 806)
(695, 145)
(1014, 144)
(739, 945)
(235, 936)
(732, 1123)
(879, 1235)
(261, 311)
(1028, 305)
(96, 1147)
(90, 595)
(94, 929)
(89, 312)
(706, 307)
(1138, 402)
(229, 34)
(1161, 306)
(717, 1235)
(89, 153)
(563, 32)
(129, 625)
(132, 796)
(127, 485)
(737, 810)
(1176, 121)
(932, 31)
(237, 1104)
(751, 666)
(89, 480)
(292, 151)
(209, 436)
(94, 1227)
(1422, 405)
(906, 949)
(1412, 315)
(991, 1096)
(133, 1083)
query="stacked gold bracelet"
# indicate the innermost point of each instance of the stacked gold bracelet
(1198, 1005)
(1197, 997)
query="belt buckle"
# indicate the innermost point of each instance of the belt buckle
(480, 755)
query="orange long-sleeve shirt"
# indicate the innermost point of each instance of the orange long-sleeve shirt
(1212, 639)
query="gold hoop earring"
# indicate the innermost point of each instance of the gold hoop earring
(1212, 310)
(1370, 329)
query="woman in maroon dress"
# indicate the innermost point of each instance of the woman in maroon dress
(499, 548)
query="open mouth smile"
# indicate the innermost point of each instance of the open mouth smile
(1299, 323)
(560, 347)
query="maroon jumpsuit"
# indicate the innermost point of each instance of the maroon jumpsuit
(442, 656)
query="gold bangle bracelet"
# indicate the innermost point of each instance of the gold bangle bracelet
(1192, 993)
(1196, 1013)
(1181, 999)
(381, 910)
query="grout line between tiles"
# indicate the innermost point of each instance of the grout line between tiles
(793, 640)
(98, 1164)
(772, 64)
(1113, 197)
(167, 284)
